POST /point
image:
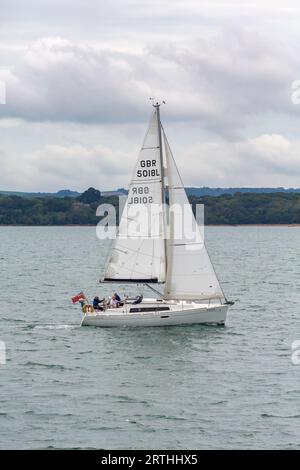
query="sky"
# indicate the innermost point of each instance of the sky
(78, 75)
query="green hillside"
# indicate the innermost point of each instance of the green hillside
(239, 208)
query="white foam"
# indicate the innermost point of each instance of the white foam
(55, 327)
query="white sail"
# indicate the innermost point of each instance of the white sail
(190, 274)
(138, 253)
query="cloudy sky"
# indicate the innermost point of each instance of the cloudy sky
(79, 74)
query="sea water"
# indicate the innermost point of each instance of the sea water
(193, 387)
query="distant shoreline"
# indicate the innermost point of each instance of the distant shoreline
(240, 209)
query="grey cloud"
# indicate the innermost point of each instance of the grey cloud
(222, 82)
(59, 166)
(61, 81)
(268, 159)
(77, 70)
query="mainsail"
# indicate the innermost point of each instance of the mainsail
(190, 274)
(138, 254)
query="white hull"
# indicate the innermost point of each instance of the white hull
(179, 314)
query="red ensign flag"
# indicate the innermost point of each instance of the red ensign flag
(78, 297)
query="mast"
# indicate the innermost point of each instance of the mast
(163, 189)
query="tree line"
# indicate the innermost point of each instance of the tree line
(239, 208)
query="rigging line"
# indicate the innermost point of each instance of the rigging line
(154, 290)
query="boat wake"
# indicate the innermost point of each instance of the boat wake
(55, 327)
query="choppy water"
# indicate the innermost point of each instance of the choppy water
(169, 388)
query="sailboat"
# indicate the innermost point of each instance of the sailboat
(157, 256)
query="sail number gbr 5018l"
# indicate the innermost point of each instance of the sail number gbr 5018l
(148, 169)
